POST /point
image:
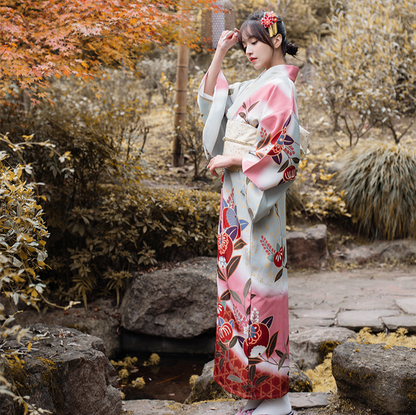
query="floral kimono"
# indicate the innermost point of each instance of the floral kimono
(252, 341)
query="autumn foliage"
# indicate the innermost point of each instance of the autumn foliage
(45, 38)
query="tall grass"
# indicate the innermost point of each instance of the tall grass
(379, 181)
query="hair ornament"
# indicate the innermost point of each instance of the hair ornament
(269, 21)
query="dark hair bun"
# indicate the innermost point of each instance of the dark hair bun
(291, 48)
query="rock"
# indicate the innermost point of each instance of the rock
(361, 255)
(298, 381)
(408, 305)
(309, 347)
(66, 372)
(101, 319)
(403, 249)
(178, 303)
(356, 320)
(381, 378)
(300, 401)
(307, 249)
(309, 400)
(155, 407)
(396, 322)
(205, 387)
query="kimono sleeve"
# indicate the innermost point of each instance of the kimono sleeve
(213, 110)
(271, 165)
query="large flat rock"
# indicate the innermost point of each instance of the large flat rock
(177, 303)
(300, 401)
(66, 372)
(396, 322)
(100, 319)
(382, 378)
(356, 320)
(408, 305)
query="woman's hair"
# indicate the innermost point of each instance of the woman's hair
(253, 27)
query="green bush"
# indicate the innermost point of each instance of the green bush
(380, 189)
(132, 227)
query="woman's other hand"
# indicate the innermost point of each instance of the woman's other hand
(219, 162)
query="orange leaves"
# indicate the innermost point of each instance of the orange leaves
(45, 38)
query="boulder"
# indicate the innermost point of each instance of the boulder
(384, 379)
(307, 249)
(308, 347)
(402, 249)
(177, 303)
(361, 255)
(101, 319)
(66, 372)
(298, 381)
(205, 388)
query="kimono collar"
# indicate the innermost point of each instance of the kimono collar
(290, 71)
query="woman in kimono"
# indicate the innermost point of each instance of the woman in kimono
(252, 133)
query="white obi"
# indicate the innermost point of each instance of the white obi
(239, 139)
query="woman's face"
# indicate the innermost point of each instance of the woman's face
(258, 53)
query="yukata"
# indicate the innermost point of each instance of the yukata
(252, 336)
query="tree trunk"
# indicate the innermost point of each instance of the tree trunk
(180, 111)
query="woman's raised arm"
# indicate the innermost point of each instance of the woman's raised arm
(227, 40)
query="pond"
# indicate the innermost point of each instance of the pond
(169, 380)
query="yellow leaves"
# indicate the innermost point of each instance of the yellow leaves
(326, 177)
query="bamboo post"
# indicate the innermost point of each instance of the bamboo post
(180, 111)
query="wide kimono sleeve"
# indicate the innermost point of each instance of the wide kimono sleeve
(213, 110)
(271, 165)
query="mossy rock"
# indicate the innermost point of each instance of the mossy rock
(66, 373)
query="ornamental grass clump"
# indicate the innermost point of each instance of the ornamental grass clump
(380, 190)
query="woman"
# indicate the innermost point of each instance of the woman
(252, 133)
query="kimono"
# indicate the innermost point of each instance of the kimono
(252, 335)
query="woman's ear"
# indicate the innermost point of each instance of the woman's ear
(277, 41)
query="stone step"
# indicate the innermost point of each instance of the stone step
(300, 401)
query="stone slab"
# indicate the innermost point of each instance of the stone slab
(355, 320)
(408, 305)
(299, 401)
(307, 322)
(309, 400)
(154, 407)
(368, 304)
(318, 313)
(408, 322)
(148, 407)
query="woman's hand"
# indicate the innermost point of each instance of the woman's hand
(227, 40)
(219, 162)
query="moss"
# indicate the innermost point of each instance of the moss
(82, 329)
(409, 389)
(15, 372)
(327, 347)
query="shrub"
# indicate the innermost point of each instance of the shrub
(368, 66)
(380, 189)
(101, 125)
(132, 227)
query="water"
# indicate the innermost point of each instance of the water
(169, 380)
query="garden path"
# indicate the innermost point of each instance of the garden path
(378, 297)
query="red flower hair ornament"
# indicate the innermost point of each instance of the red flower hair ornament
(269, 21)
